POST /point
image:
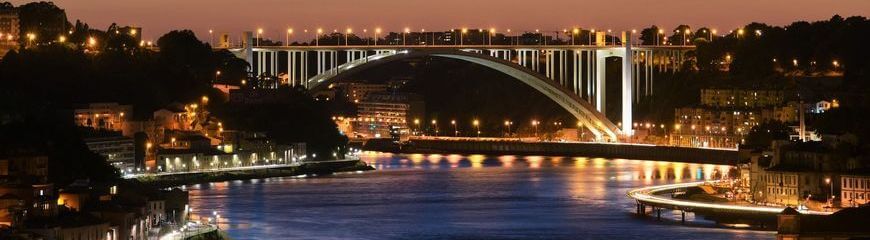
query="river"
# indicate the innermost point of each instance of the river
(417, 196)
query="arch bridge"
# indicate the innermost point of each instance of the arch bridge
(573, 76)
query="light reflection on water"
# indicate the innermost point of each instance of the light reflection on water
(431, 196)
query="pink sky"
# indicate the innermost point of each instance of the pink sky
(275, 16)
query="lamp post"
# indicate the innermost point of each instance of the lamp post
(377, 35)
(455, 130)
(211, 37)
(831, 195)
(573, 34)
(317, 37)
(405, 35)
(508, 124)
(535, 124)
(347, 32)
(591, 32)
(435, 125)
(658, 37)
(491, 34)
(476, 124)
(461, 35)
(259, 32)
(417, 125)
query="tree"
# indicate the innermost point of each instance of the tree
(44, 19)
(648, 36)
(763, 134)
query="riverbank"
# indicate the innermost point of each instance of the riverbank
(520, 147)
(320, 168)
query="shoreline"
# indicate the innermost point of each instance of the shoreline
(320, 168)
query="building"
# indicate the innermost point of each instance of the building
(806, 174)
(725, 116)
(855, 189)
(379, 113)
(120, 151)
(9, 29)
(25, 165)
(103, 116)
(358, 91)
(742, 98)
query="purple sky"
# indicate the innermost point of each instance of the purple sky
(275, 16)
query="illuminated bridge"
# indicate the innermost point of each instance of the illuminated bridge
(573, 76)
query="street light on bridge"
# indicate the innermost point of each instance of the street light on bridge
(404, 36)
(491, 34)
(347, 32)
(377, 35)
(573, 34)
(462, 34)
(317, 37)
(455, 130)
(259, 32)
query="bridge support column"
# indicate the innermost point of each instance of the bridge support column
(659, 214)
(353, 55)
(577, 72)
(326, 60)
(600, 95)
(627, 76)
(297, 67)
(683, 213)
(274, 65)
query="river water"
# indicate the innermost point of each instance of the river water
(417, 196)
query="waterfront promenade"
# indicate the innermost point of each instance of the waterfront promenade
(659, 197)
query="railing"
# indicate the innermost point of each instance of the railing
(652, 196)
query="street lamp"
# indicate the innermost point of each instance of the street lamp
(317, 37)
(461, 35)
(377, 35)
(417, 125)
(347, 32)
(491, 34)
(535, 124)
(831, 198)
(435, 125)
(476, 124)
(259, 32)
(573, 34)
(660, 32)
(508, 123)
(404, 36)
(211, 37)
(455, 131)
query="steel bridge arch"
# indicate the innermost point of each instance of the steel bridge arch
(587, 115)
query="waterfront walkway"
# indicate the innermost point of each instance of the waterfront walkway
(657, 197)
(188, 231)
(240, 168)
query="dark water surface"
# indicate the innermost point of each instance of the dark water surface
(418, 196)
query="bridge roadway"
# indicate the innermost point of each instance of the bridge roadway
(512, 47)
(655, 197)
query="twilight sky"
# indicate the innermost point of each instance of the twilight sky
(275, 16)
